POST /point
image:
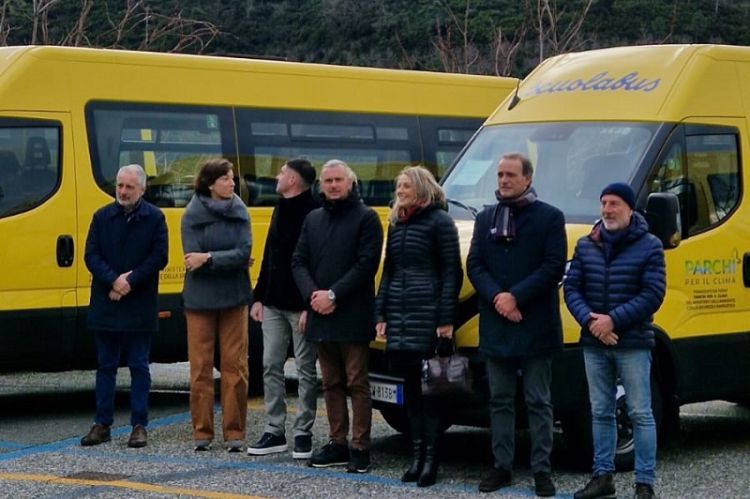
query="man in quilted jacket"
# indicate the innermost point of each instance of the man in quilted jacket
(616, 282)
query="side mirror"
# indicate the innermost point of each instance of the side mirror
(663, 217)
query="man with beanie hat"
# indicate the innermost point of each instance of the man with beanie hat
(281, 309)
(615, 284)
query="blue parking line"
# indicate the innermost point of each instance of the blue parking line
(11, 445)
(60, 445)
(71, 446)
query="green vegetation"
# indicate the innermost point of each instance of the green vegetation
(473, 36)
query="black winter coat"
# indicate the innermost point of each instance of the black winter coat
(117, 243)
(276, 286)
(421, 280)
(339, 249)
(530, 268)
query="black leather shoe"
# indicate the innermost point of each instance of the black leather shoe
(543, 485)
(98, 434)
(494, 480)
(599, 487)
(644, 491)
(138, 437)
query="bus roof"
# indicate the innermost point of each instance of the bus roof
(28, 73)
(646, 83)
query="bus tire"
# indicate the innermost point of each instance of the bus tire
(396, 417)
(577, 430)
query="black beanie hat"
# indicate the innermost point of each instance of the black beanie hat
(304, 168)
(622, 190)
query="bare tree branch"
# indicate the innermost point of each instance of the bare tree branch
(5, 28)
(39, 18)
(78, 32)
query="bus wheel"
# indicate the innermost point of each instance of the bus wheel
(396, 417)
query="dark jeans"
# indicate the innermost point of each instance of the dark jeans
(343, 368)
(536, 374)
(136, 346)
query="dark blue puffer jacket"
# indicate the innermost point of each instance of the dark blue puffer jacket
(629, 286)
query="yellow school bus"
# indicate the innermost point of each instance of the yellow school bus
(673, 121)
(70, 117)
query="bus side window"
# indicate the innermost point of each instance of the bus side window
(28, 182)
(376, 147)
(712, 171)
(170, 142)
(671, 176)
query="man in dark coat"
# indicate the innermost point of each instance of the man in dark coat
(334, 265)
(126, 248)
(280, 307)
(615, 284)
(516, 260)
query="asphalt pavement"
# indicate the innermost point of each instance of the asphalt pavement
(42, 417)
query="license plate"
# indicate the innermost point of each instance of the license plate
(392, 393)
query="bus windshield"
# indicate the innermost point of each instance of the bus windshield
(572, 161)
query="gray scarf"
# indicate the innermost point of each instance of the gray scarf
(503, 226)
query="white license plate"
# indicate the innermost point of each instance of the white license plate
(392, 393)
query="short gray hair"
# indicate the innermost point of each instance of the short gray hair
(331, 163)
(138, 170)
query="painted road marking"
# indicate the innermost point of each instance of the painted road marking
(122, 484)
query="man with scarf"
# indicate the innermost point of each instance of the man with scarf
(615, 284)
(334, 266)
(516, 260)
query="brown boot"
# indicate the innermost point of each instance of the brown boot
(98, 434)
(137, 437)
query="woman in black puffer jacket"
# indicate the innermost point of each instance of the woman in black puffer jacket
(417, 300)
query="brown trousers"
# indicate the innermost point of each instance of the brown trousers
(344, 370)
(230, 327)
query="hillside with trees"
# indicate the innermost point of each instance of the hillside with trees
(499, 37)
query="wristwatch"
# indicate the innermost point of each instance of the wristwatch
(331, 295)
(210, 259)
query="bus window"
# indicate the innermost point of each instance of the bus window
(713, 168)
(702, 170)
(376, 147)
(170, 142)
(29, 165)
(443, 139)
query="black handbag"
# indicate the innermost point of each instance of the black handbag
(446, 376)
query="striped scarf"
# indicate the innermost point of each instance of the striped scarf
(503, 226)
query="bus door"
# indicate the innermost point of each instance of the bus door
(38, 245)
(701, 166)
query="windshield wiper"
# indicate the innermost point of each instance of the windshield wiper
(466, 207)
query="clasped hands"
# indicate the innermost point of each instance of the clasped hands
(120, 287)
(603, 329)
(505, 305)
(195, 261)
(320, 302)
